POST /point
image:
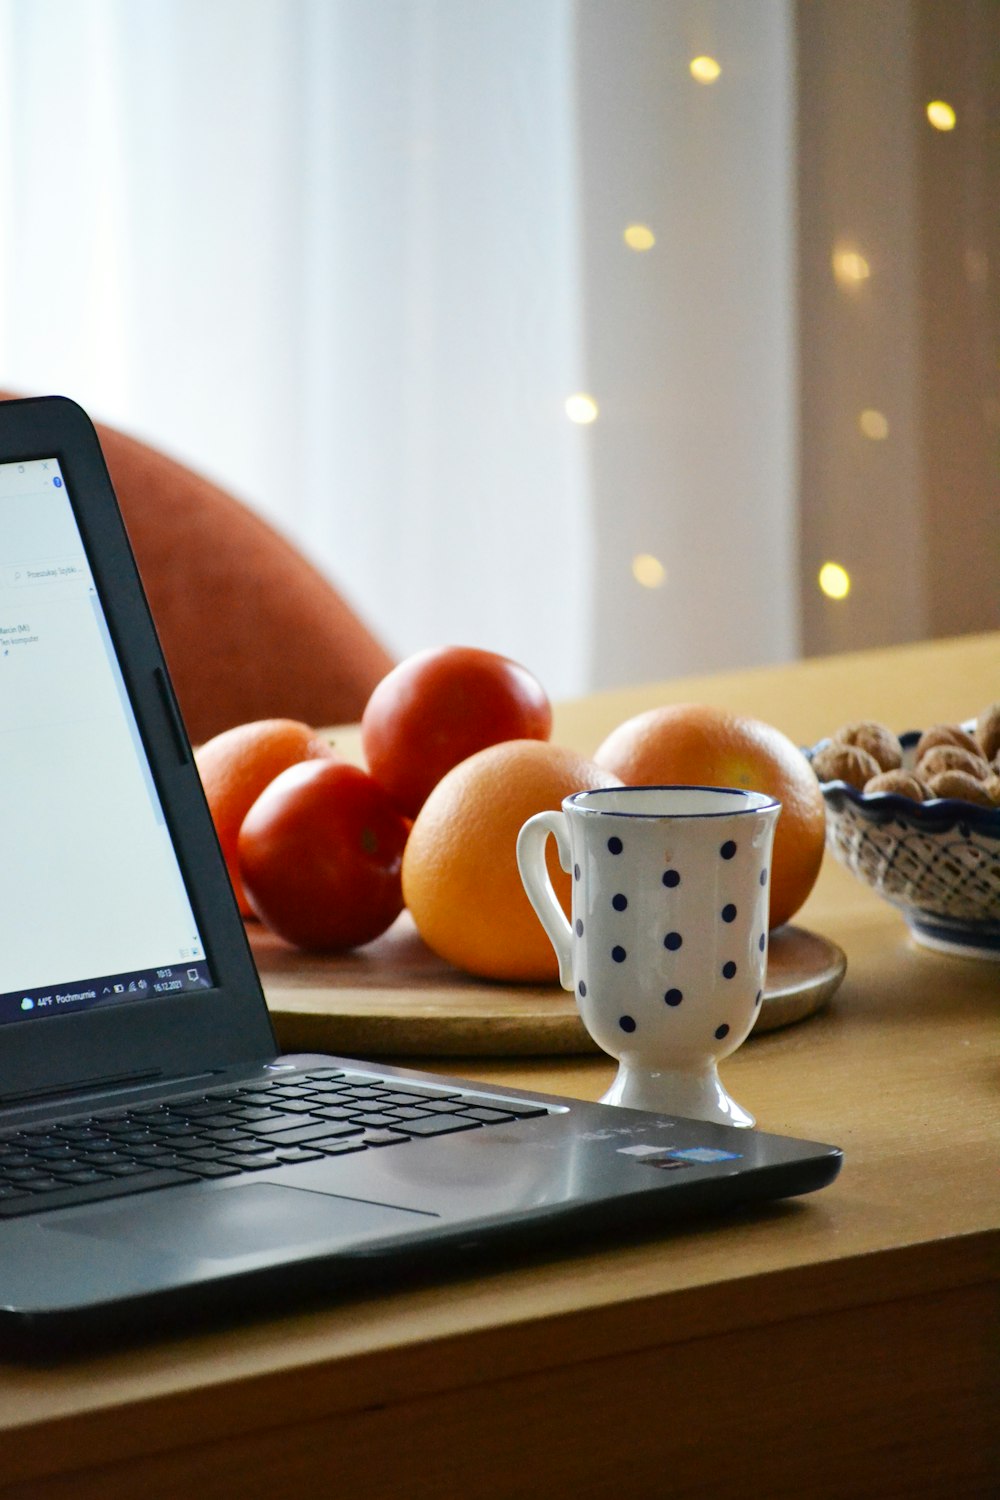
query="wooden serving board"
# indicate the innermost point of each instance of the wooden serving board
(395, 998)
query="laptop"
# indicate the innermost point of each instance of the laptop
(161, 1165)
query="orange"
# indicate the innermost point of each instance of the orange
(692, 744)
(235, 767)
(460, 876)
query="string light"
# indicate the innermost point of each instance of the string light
(581, 408)
(874, 424)
(834, 581)
(704, 69)
(941, 115)
(850, 268)
(639, 237)
(648, 570)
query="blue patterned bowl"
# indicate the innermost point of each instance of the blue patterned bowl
(938, 861)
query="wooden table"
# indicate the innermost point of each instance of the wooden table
(840, 1345)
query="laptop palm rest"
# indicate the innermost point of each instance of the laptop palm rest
(248, 1219)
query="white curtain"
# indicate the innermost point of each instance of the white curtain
(351, 257)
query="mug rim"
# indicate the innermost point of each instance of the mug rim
(765, 803)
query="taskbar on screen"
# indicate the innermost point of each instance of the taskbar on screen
(109, 989)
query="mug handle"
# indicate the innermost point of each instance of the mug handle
(531, 843)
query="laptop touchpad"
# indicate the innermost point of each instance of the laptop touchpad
(255, 1218)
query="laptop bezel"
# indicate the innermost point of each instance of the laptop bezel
(185, 1034)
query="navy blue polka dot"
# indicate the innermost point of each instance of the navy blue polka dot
(729, 913)
(674, 997)
(762, 942)
(582, 989)
(576, 872)
(728, 970)
(721, 1031)
(618, 954)
(579, 928)
(619, 902)
(760, 995)
(728, 849)
(615, 845)
(672, 941)
(671, 878)
(626, 1023)
(763, 877)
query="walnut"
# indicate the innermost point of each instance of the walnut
(945, 734)
(876, 739)
(836, 762)
(903, 783)
(961, 785)
(951, 758)
(988, 731)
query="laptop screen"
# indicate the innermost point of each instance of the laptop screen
(93, 906)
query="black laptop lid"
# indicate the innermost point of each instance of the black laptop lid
(122, 953)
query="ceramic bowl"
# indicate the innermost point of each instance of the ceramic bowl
(938, 861)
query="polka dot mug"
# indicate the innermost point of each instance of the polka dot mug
(668, 944)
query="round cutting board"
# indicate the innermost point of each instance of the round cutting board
(396, 998)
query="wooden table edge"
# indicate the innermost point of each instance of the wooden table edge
(330, 1386)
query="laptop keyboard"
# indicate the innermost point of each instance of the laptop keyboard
(227, 1132)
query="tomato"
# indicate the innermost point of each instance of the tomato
(439, 707)
(320, 854)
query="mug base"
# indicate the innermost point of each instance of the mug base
(693, 1096)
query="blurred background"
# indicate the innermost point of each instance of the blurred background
(631, 338)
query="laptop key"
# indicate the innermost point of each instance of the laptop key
(519, 1108)
(302, 1133)
(256, 1116)
(61, 1196)
(340, 1147)
(486, 1116)
(276, 1125)
(286, 1107)
(438, 1125)
(422, 1091)
(236, 1150)
(210, 1169)
(443, 1106)
(83, 1176)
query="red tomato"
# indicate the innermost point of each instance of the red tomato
(320, 854)
(439, 707)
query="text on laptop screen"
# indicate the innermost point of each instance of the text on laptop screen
(93, 907)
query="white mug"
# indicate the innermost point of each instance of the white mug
(667, 950)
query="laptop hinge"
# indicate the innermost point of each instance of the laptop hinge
(92, 1086)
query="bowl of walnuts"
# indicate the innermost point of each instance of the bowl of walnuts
(916, 816)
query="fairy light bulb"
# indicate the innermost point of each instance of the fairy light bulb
(850, 268)
(941, 115)
(704, 69)
(874, 424)
(581, 408)
(639, 237)
(834, 581)
(648, 571)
